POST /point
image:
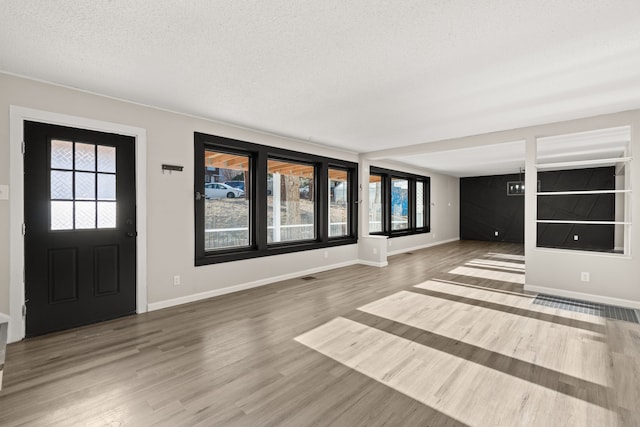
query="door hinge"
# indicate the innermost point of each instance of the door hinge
(24, 229)
(23, 147)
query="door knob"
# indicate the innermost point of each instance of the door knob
(132, 233)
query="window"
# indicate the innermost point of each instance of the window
(291, 207)
(254, 200)
(421, 219)
(398, 203)
(339, 197)
(227, 208)
(375, 203)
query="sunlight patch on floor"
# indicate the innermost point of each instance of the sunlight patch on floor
(464, 390)
(506, 256)
(568, 350)
(481, 273)
(513, 266)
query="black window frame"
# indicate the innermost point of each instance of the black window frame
(387, 175)
(258, 157)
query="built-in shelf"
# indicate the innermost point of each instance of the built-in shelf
(565, 193)
(568, 221)
(564, 153)
(595, 162)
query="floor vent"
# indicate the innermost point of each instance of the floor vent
(602, 310)
(308, 278)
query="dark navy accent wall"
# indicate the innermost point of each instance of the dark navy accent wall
(582, 207)
(486, 209)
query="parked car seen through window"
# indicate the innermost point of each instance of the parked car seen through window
(235, 184)
(218, 190)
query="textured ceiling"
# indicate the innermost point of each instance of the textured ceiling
(359, 75)
(493, 159)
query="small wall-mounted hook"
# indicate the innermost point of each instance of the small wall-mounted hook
(171, 168)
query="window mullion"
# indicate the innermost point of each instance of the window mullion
(411, 202)
(388, 211)
(321, 183)
(259, 197)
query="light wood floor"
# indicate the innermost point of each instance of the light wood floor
(441, 337)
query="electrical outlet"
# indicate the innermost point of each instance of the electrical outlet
(375, 251)
(575, 237)
(495, 233)
(585, 276)
(176, 280)
(326, 254)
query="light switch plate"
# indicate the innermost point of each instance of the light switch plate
(4, 192)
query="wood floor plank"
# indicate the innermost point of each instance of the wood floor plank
(443, 336)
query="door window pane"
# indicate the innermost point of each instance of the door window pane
(375, 203)
(61, 215)
(61, 185)
(106, 214)
(85, 157)
(291, 202)
(106, 159)
(338, 203)
(106, 186)
(85, 215)
(227, 200)
(399, 204)
(85, 186)
(61, 154)
(420, 217)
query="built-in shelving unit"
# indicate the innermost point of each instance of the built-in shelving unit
(565, 193)
(569, 221)
(596, 149)
(582, 163)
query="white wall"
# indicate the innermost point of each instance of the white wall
(614, 278)
(445, 208)
(169, 197)
(170, 242)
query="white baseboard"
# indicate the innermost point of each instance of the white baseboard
(243, 286)
(373, 263)
(4, 318)
(582, 296)
(428, 245)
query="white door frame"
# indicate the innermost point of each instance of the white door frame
(16, 204)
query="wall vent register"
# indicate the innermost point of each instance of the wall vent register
(587, 307)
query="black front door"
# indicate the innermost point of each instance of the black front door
(79, 209)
